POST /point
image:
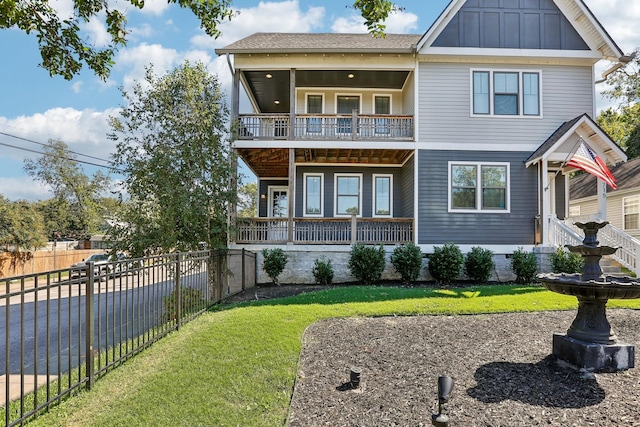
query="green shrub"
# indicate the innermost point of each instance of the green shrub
(524, 265)
(192, 300)
(366, 263)
(566, 262)
(407, 260)
(322, 271)
(445, 264)
(274, 262)
(478, 264)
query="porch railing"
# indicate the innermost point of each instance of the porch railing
(566, 233)
(325, 230)
(326, 126)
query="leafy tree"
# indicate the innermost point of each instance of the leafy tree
(174, 151)
(21, 230)
(625, 82)
(64, 47)
(75, 210)
(623, 126)
(248, 200)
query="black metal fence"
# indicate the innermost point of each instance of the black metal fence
(65, 328)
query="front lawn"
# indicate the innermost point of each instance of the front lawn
(236, 365)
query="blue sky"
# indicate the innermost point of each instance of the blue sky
(37, 107)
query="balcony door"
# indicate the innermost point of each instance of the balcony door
(346, 105)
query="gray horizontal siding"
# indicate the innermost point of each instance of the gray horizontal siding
(438, 226)
(408, 189)
(445, 99)
(399, 196)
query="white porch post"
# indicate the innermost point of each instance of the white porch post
(292, 179)
(546, 202)
(602, 199)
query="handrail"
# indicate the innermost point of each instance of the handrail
(561, 234)
(628, 246)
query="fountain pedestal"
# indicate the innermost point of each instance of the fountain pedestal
(590, 343)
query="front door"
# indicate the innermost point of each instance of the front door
(278, 208)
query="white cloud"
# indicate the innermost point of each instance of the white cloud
(284, 17)
(398, 23)
(620, 18)
(97, 30)
(83, 131)
(155, 7)
(23, 188)
(76, 87)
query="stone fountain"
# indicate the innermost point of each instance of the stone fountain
(590, 343)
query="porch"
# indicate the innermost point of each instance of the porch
(380, 127)
(333, 231)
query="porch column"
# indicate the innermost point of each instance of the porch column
(292, 103)
(602, 198)
(233, 184)
(546, 201)
(292, 179)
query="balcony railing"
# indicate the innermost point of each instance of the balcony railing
(326, 126)
(325, 230)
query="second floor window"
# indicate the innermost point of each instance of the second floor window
(314, 106)
(506, 93)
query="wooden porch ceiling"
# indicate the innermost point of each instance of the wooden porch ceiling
(274, 162)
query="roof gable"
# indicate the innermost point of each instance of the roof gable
(560, 25)
(564, 142)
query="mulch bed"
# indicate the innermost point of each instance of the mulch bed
(501, 364)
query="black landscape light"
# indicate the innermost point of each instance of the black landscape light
(445, 385)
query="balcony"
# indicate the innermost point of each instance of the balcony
(336, 231)
(381, 127)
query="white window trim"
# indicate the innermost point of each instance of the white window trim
(520, 114)
(479, 209)
(272, 189)
(306, 101)
(373, 102)
(304, 194)
(373, 196)
(358, 94)
(623, 213)
(335, 195)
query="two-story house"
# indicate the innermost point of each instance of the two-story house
(459, 134)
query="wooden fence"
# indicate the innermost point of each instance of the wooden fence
(42, 261)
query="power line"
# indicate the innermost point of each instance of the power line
(44, 145)
(66, 158)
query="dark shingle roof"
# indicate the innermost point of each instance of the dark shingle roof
(320, 42)
(555, 136)
(627, 177)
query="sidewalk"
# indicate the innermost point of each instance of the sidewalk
(30, 382)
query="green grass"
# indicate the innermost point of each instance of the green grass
(236, 366)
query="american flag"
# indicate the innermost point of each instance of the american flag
(585, 159)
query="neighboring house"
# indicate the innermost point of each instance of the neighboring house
(457, 135)
(622, 204)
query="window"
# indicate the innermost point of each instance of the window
(314, 106)
(505, 93)
(476, 187)
(382, 195)
(313, 190)
(348, 192)
(631, 212)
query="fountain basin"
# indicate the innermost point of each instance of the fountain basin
(609, 287)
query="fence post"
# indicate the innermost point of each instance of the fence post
(243, 272)
(89, 310)
(178, 292)
(219, 274)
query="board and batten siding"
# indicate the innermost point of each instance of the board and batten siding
(436, 225)
(445, 106)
